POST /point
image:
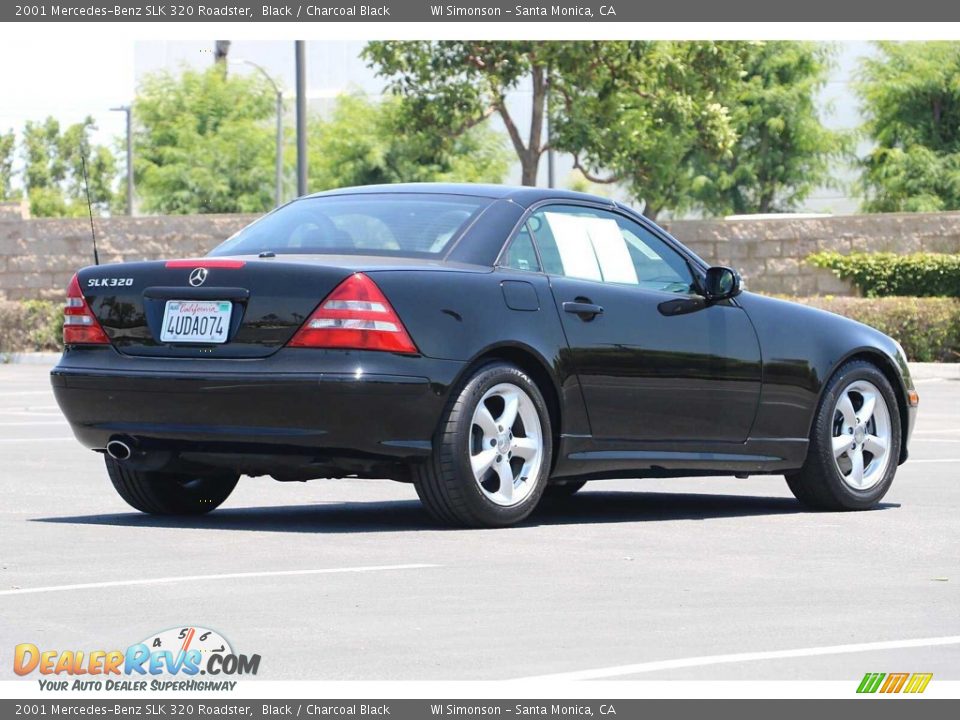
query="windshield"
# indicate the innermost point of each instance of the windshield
(407, 225)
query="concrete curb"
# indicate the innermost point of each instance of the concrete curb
(30, 358)
(935, 371)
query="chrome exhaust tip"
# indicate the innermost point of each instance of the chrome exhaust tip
(119, 450)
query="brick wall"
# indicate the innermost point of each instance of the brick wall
(770, 252)
(38, 257)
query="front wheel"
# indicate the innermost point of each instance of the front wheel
(492, 452)
(854, 444)
(168, 493)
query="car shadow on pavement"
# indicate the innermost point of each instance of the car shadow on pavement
(588, 507)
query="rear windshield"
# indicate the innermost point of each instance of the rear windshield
(408, 225)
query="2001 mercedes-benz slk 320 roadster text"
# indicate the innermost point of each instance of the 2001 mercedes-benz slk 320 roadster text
(487, 344)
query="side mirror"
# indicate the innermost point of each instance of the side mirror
(721, 283)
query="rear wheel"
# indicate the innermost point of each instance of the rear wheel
(492, 452)
(854, 443)
(167, 493)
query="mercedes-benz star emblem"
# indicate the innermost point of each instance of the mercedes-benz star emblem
(198, 276)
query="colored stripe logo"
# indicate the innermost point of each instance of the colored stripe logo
(894, 682)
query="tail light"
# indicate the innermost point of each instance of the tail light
(80, 325)
(356, 316)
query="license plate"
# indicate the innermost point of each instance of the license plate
(196, 321)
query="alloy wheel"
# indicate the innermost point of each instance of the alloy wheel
(861, 435)
(506, 444)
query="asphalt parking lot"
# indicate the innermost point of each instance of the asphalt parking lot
(344, 580)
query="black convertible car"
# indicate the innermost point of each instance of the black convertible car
(488, 344)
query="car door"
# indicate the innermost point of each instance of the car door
(655, 361)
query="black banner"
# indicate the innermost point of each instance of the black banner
(319, 11)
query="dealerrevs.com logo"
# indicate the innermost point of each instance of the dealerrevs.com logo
(889, 683)
(173, 659)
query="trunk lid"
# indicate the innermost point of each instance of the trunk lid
(269, 299)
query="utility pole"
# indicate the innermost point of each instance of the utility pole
(129, 111)
(221, 48)
(301, 118)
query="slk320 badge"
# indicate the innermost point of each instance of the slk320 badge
(110, 282)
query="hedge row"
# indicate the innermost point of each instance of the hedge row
(928, 328)
(30, 326)
(889, 274)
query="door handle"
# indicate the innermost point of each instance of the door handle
(586, 311)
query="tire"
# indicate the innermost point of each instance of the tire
(448, 485)
(560, 491)
(829, 482)
(169, 494)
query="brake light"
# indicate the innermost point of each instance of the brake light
(207, 263)
(356, 316)
(80, 325)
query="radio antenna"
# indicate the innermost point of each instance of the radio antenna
(86, 186)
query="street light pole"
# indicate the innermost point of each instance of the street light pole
(279, 168)
(129, 111)
(278, 190)
(551, 158)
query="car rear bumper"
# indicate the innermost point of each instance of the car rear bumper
(311, 403)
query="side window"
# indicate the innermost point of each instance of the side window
(658, 266)
(590, 244)
(521, 255)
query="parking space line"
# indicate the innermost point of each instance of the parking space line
(223, 576)
(37, 439)
(911, 461)
(23, 404)
(36, 410)
(638, 668)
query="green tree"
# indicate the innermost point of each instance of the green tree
(54, 162)
(367, 142)
(7, 145)
(911, 99)
(782, 151)
(204, 142)
(639, 113)
(452, 86)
